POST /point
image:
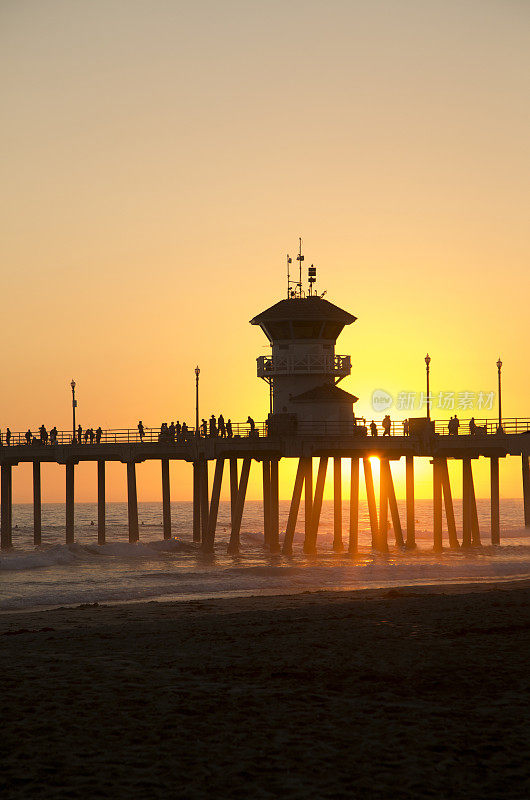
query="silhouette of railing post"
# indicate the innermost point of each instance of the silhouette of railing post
(37, 507)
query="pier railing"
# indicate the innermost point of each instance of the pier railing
(483, 427)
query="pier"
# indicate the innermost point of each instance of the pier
(323, 443)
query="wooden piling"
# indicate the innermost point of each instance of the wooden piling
(495, 501)
(382, 539)
(448, 501)
(409, 483)
(337, 505)
(437, 504)
(394, 511)
(525, 464)
(317, 504)
(266, 474)
(475, 532)
(275, 507)
(208, 543)
(233, 545)
(370, 497)
(234, 485)
(37, 505)
(204, 499)
(353, 538)
(166, 499)
(196, 501)
(308, 501)
(293, 509)
(70, 503)
(466, 503)
(6, 534)
(101, 503)
(132, 502)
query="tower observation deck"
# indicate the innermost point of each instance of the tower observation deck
(304, 369)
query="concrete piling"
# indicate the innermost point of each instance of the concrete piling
(37, 505)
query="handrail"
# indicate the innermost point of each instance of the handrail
(483, 427)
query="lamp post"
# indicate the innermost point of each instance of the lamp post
(499, 365)
(197, 373)
(74, 406)
(427, 362)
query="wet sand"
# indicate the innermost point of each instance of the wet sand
(409, 693)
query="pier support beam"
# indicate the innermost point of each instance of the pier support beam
(101, 503)
(166, 499)
(6, 535)
(337, 505)
(233, 545)
(197, 501)
(294, 508)
(370, 497)
(69, 503)
(204, 499)
(448, 500)
(275, 507)
(382, 540)
(466, 503)
(409, 483)
(308, 502)
(132, 502)
(234, 486)
(475, 532)
(208, 543)
(266, 470)
(37, 505)
(526, 489)
(317, 504)
(437, 504)
(494, 501)
(353, 538)
(394, 511)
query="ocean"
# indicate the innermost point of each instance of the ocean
(56, 574)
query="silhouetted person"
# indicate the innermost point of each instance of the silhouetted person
(172, 431)
(456, 424)
(43, 433)
(99, 434)
(213, 426)
(53, 435)
(28, 436)
(252, 424)
(79, 434)
(184, 431)
(204, 428)
(229, 428)
(373, 428)
(141, 430)
(386, 425)
(178, 429)
(472, 426)
(221, 425)
(405, 427)
(86, 435)
(8, 436)
(91, 435)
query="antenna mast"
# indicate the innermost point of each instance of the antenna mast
(300, 258)
(289, 262)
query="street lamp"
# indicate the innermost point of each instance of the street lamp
(197, 373)
(74, 406)
(427, 362)
(499, 365)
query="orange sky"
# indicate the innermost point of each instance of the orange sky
(163, 157)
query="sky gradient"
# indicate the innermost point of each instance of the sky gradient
(161, 158)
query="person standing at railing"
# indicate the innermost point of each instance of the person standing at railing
(171, 431)
(178, 429)
(213, 426)
(8, 436)
(386, 425)
(79, 434)
(141, 430)
(99, 434)
(28, 436)
(229, 432)
(184, 431)
(222, 427)
(43, 433)
(250, 421)
(405, 427)
(204, 428)
(91, 435)
(373, 428)
(53, 435)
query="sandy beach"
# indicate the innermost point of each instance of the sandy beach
(404, 693)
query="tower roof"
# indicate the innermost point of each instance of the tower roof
(304, 308)
(326, 393)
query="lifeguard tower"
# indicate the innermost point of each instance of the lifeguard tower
(304, 370)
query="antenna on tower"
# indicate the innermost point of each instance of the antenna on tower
(300, 258)
(311, 278)
(289, 262)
